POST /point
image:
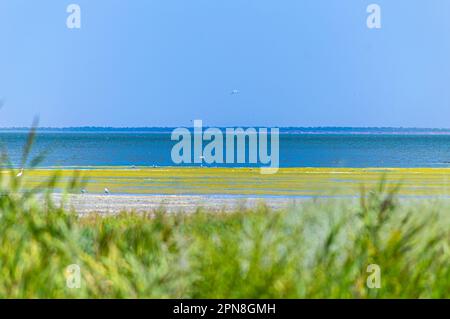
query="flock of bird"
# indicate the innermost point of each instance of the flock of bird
(106, 191)
(83, 191)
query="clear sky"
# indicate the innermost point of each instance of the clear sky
(166, 62)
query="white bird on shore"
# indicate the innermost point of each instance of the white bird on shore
(20, 173)
(83, 191)
(106, 191)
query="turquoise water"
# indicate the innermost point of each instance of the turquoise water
(298, 148)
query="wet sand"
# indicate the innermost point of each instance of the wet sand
(113, 204)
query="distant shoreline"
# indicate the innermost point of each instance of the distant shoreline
(283, 130)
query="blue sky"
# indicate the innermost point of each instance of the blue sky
(165, 62)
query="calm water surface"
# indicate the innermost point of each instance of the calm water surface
(296, 149)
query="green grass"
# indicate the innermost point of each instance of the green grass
(320, 249)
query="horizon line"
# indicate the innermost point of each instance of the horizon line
(93, 127)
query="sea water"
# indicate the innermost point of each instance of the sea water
(337, 147)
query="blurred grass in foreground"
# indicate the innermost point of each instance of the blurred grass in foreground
(320, 249)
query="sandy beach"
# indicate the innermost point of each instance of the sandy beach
(113, 204)
(221, 189)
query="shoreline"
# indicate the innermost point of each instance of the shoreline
(84, 204)
(113, 204)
